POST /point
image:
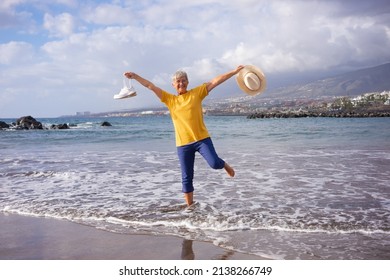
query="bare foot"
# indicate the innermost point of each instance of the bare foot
(229, 170)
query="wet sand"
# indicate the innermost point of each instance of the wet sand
(36, 238)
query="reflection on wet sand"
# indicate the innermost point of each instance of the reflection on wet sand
(187, 252)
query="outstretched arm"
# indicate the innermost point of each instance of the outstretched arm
(221, 78)
(145, 83)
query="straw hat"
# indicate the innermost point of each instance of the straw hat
(251, 80)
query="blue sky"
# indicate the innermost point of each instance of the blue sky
(58, 57)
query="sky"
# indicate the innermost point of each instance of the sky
(59, 57)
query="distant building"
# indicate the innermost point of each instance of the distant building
(83, 114)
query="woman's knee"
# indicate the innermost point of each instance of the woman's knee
(216, 163)
(206, 149)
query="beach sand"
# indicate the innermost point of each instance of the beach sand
(37, 238)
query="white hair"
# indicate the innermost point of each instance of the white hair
(179, 74)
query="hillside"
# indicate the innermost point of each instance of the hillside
(372, 79)
(316, 94)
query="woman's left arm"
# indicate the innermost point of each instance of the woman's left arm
(221, 78)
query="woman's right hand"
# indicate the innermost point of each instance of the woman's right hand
(130, 75)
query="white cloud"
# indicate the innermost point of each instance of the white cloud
(59, 26)
(6, 4)
(15, 53)
(108, 14)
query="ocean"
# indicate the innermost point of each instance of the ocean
(310, 188)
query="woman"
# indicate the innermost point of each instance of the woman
(190, 131)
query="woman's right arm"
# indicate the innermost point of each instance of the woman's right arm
(145, 83)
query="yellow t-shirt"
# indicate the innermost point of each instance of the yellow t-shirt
(187, 114)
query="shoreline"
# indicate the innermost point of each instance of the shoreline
(40, 238)
(287, 114)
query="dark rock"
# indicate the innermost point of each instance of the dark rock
(3, 125)
(28, 122)
(60, 126)
(315, 114)
(105, 123)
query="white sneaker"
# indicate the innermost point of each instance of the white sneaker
(125, 93)
(127, 90)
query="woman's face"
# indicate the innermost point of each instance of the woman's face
(180, 84)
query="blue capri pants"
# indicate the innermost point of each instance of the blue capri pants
(186, 155)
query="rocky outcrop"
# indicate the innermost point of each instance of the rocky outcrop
(28, 122)
(315, 114)
(105, 123)
(59, 126)
(3, 125)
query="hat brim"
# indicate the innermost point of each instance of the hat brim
(258, 73)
